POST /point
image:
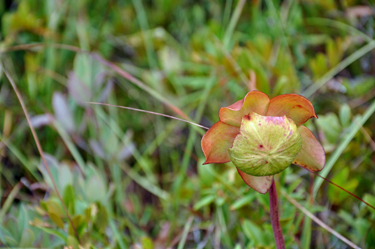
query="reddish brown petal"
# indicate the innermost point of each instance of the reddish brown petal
(294, 106)
(311, 155)
(260, 184)
(216, 142)
(254, 101)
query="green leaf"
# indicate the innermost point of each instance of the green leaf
(27, 238)
(65, 177)
(72, 242)
(101, 220)
(54, 206)
(205, 174)
(22, 220)
(219, 201)
(96, 189)
(345, 115)
(342, 179)
(60, 234)
(242, 202)
(330, 125)
(79, 224)
(68, 198)
(56, 219)
(204, 202)
(147, 243)
(253, 232)
(7, 238)
(371, 200)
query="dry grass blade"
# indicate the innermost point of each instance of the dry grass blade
(140, 84)
(109, 64)
(325, 179)
(150, 112)
(40, 149)
(318, 221)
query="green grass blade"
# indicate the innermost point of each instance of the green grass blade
(145, 183)
(146, 33)
(8, 202)
(185, 233)
(192, 136)
(20, 157)
(233, 22)
(335, 70)
(72, 148)
(338, 25)
(353, 129)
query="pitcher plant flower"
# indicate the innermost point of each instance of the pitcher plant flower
(262, 137)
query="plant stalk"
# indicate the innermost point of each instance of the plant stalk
(274, 209)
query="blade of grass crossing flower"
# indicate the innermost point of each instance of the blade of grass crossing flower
(185, 233)
(113, 125)
(352, 131)
(151, 147)
(119, 133)
(339, 67)
(150, 112)
(142, 181)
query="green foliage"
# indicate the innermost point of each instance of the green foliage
(134, 180)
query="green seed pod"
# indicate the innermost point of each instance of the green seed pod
(266, 145)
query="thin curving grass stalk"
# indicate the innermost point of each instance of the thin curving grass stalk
(318, 221)
(272, 193)
(325, 179)
(150, 112)
(40, 150)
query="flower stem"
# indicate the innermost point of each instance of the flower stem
(274, 208)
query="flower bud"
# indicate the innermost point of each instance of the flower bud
(266, 145)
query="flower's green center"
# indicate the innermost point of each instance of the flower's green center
(265, 145)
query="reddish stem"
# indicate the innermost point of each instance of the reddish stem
(274, 208)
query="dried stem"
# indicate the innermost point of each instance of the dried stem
(40, 151)
(274, 208)
(150, 112)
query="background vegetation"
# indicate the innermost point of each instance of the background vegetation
(135, 180)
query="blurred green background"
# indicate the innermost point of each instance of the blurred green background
(136, 180)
